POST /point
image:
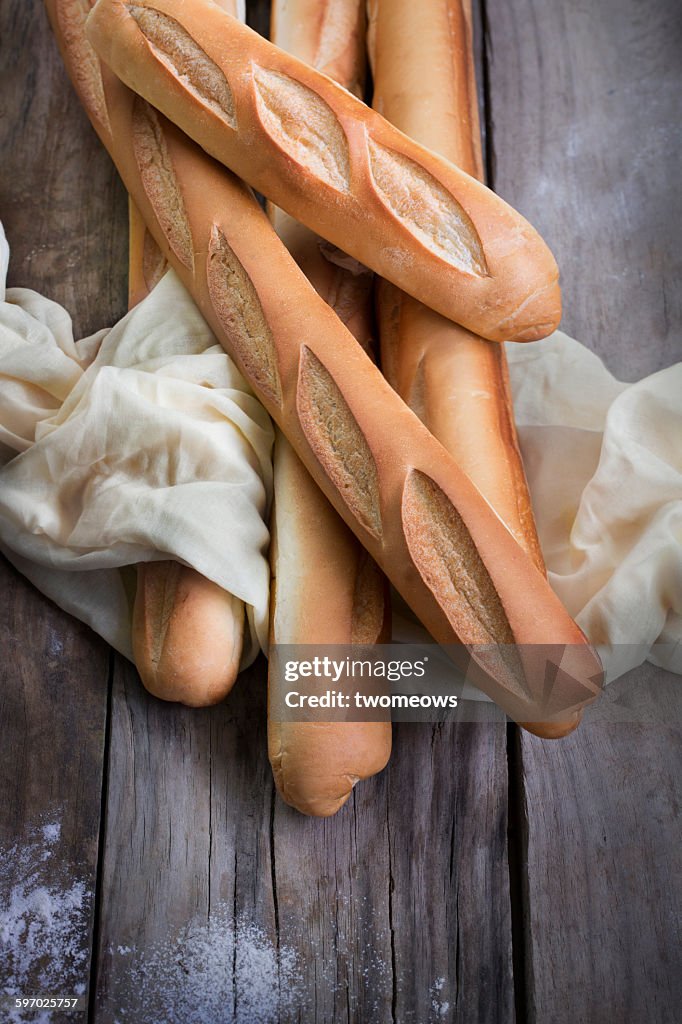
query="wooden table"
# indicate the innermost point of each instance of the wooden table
(485, 876)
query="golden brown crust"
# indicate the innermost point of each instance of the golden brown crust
(554, 730)
(422, 61)
(187, 634)
(399, 443)
(423, 75)
(324, 591)
(318, 152)
(459, 387)
(326, 588)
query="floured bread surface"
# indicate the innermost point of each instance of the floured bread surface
(445, 555)
(85, 65)
(183, 56)
(160, 182)
(337, 441)
(239, 310)
(426, 209)
(304, 126)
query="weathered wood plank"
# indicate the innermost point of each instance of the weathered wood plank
(333, 898)
(603, 897)
(56, 181)
(450, 909)
(398, 907)
(53, 699)
(586, 137)
(187, 841)
(54, 672)
(395, 909)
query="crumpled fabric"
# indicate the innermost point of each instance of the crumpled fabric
(139, 443)
(144, 442)
(604, 466)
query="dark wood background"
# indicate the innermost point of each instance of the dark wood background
(508, 878)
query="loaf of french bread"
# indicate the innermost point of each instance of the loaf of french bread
(423, 75)
(187, 632)
(335, 165)
(412, 507)
(458, 384)
(325, 588)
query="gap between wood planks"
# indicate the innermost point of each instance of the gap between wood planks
(517, 822)
(101, 844)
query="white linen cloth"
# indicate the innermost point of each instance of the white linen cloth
(144, 442)
(140, 443)
(604, 466)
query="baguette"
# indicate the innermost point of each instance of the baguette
(187, 632)
(414, 510)
(325, 588)
(335, 165)
(424, 83)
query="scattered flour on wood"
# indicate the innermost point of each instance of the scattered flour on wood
(44, 920)
(439, 1005)
(210, 973)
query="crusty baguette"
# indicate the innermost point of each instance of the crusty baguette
(417, 513)
(423, 74)
(335, 165)
(187, 632)
(424, 83)
(325, 588)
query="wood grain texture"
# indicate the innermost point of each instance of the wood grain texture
(584, 130)
(53, 670)
(187, 838)
(396, 909)
(401, 903)
(585, 133)
(449, 876)
(61, 203)
(603, 894)
(53, 701)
